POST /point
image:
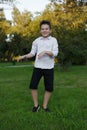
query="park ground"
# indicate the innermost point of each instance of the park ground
(68, 103)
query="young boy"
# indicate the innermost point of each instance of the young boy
(45, 48)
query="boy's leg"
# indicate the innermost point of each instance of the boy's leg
(48, 81)
(36, 76)
(34, 97)
(46, 99)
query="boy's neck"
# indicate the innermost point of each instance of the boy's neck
(46, 36)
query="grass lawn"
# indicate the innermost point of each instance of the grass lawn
(68, 103)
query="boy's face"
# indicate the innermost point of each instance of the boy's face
(45, 30)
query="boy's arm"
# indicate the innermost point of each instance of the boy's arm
(49, 53)
(52, 53)
(29, 55)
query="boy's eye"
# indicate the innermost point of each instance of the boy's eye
(44, 28)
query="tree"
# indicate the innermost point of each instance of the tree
(4, 27)
(68, 22)
(68, 25)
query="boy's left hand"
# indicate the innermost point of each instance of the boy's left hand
(40, 55)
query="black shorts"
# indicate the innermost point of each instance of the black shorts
(48, 75)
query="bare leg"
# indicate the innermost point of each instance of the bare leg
(46, 99)
(34, 97)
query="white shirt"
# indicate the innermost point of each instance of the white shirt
(44, 44)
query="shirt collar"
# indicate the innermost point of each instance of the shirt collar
(48, 38)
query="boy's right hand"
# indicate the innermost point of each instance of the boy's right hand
(20, 58)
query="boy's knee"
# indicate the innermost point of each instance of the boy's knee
(49, 89)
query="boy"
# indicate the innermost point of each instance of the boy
(45, 48)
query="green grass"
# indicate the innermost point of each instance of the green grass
(13, 63)
(68, 102)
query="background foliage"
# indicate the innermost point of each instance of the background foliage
(68, 25)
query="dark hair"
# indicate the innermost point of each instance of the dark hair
(45, 22)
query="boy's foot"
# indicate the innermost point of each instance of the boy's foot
(36, 109)
(46, 109)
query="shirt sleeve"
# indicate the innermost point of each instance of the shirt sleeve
(34, 48)
(55, 48)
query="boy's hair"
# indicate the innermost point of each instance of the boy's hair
(45, 22)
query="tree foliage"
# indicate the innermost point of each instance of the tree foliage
(68, 25)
